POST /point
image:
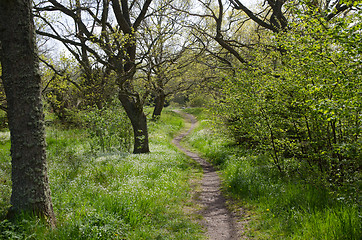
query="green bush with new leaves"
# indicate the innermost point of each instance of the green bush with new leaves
(71, 89)
(109, 128)
(301, 103)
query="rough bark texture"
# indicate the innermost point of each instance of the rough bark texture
(30, 187)
(159, 104)
(139, 123)
(132, 102)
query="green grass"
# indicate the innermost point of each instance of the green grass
(5, 171)
(198, 112)
(282, 206)
(111, 195)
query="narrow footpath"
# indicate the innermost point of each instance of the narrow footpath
(218, 220)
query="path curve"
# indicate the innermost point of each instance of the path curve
(218, 220)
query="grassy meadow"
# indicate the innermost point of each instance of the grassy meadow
(277, 206)
(110, 194)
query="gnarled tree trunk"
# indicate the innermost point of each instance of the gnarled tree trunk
(132, 102)
(30, 187)
(138, 119)
(159, 104)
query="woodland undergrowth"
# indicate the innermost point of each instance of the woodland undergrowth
(277, 205)
(105, 192)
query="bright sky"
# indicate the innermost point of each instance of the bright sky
(249, 3)
(58, 47)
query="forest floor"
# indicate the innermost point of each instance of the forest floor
(219, 222)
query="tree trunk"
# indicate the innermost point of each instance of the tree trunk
(30, 187)
(132, 103)
(159, 104)
(138, 120)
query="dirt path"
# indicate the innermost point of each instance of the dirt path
(217, 219)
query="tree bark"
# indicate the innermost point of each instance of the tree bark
(30, 187)
(131, 101)
(138, 120)
(159, 104)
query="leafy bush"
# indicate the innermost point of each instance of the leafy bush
(109, 128)
(5, 173)
(281, 206)
(302, 105)
(3, 120)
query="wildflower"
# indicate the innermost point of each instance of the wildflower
(267, 209)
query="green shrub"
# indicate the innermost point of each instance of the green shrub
(5, 173)
(109, 128)
(3, 120)
(295, 204)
